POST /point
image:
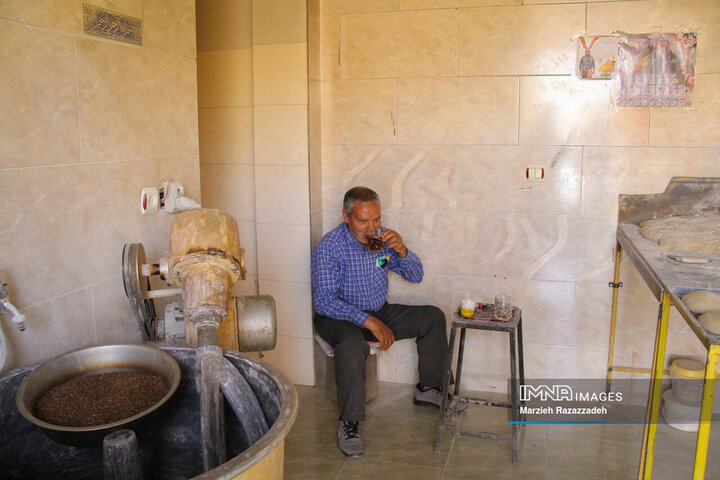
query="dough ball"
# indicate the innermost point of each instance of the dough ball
(710, 321)
(701, 301)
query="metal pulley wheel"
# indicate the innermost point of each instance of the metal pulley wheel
(256, 323)
(136, 288)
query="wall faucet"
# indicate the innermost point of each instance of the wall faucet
(7, 307)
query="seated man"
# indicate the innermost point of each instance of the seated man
(350, 283)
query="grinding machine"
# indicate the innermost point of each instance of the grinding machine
(669, 278)
(227, 413)
(204, 263)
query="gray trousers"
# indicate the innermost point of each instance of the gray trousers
(425, 323)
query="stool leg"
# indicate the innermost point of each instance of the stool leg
(446, 382)
(458, 367)
(513, 398)
(520, 352)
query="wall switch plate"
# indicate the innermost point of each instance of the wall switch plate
(535, 173)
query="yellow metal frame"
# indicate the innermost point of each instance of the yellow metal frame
(656, 375)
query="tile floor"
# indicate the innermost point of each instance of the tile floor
(399, 444)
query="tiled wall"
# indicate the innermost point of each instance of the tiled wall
(225, 120)
(440, 105)
(252, 65)
(85, 123)
(282, 196)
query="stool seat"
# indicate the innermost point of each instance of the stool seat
(371, 371)
(483, 321)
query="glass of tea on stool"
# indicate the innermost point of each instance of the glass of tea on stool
(503, 308)
(374, 241)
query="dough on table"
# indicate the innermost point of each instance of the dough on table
(710, 321)
(689, 233)
(701, 301)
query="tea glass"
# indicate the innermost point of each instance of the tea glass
(503, 307)
(374, 241)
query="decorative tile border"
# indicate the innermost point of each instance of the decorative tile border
(104, 23)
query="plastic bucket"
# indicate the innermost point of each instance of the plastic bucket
(688, 378)
(680, 415)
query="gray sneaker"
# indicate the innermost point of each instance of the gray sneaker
(349, 439)
(432, 397)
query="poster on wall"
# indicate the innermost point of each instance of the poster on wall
(596, 57)
(656, 70)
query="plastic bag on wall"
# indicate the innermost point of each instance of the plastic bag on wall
(656, 70)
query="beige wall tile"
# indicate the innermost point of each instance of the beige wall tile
(314, 120)
(279, 21)
(484, 244)
(226, 135)
(230, 188)
(490, 371)
(50, 237)
(154, 108)
(225, 78)
(701, 16)
(492, 179)
(170, 26)
(359, 111)
(547, 309)
(698, 126)
(315, 181)
(332, 193)
(398, 44)
(249, 286)
(58, 15)
(404, 176)
(316, 227)
(518, 40)
(334, 7)
(532, 2)
(282, 194)
(330, 48)
(608, 172)
(592, 308)
(406, 361)
(386, 366)
(637, 320)
(126, 102)
(314, 38)
(53, 327)
(283, 252)
(293, 356)
(115, 321)
(293, 304)
(281, 135)
(280, 74)
(126, 7)
(565, 248)
(560, 362)
(458, 110)
(248, 241)
(412, 4)
(224, 24)
(38, 97)
(568, 111)
(439, 288)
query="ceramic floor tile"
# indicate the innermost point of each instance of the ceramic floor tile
(400, 437)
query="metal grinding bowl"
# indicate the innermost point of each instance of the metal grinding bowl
(85, 361)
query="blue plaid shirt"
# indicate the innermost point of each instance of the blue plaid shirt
(348, 280)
